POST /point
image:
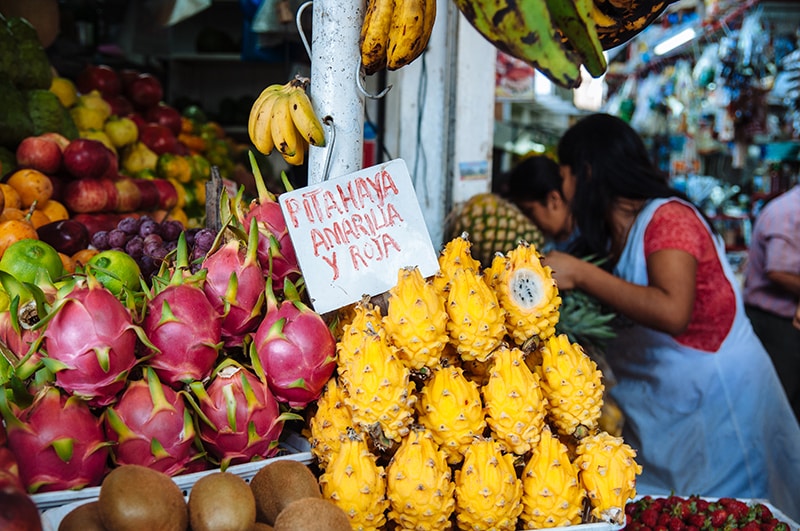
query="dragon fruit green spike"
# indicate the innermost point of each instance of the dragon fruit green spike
(182, 325)
(240, 420)
(235, 286)
(90, 341)
(151, 426)
(57, 441)
(295, 348)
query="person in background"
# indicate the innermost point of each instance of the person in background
(772, 286)
(703, 404)
(534, 185)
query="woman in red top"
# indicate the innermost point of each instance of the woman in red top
(702, 402)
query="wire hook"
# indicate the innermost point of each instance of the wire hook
(299, 25)
(328, 121)
(363, 91)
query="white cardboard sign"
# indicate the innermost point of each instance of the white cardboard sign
(354, 233)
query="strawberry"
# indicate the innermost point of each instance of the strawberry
(649, 517)
(760, 513)
(663, 519)
(676, 524)
(719, 517)
(751, 526)
(736, 508)
(696, 520)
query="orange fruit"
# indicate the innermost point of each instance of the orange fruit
(26, 259)
(54, 210)
(32, 185)
(67, 262)
(14, 230)
(11, 196)
(83, 256)
(38, 218)
(13, 213)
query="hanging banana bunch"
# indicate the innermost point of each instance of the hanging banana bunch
(558, 36)
(283, 118)
(395, 32)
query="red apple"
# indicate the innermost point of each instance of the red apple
(127, 75)
(120, 105)
(58, 138)
(148, 194)
(59, 180)
(19, 512)
(39, 153)
(97, 221)
(158, 138)
(129, 198)
(145, 91)
(165, 115)
(167, 195)
(86, 158)
(86, 195)
(111, 195)
(102, 78)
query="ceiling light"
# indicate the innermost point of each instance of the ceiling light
(673, 42)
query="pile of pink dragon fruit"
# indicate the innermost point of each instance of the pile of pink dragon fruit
(203, 368)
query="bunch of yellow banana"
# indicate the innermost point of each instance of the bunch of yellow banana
(283, 118)
(395, 32)
(618, 21)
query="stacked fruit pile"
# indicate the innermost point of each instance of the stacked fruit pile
(458, 403)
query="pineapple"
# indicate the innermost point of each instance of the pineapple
(455, 255)
(419, 484)
(572, 385)
(357, 484)
(329, 423)
(527, 292)
(450, 406)
(378, 390)
(416, 321)
(552, 495)
(477, 322)
(488, 491)
(515, 406)
(608, 472)
(365, 317)
(494, 225)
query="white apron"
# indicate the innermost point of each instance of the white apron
(713, 424)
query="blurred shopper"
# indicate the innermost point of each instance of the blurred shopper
(703, 404)
(772, 286)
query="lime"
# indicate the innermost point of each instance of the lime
(28, 260)
(115, 270)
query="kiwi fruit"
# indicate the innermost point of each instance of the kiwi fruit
(84, 517)
(312, 514)
(278, 484)
(134, 497)
(221, 501)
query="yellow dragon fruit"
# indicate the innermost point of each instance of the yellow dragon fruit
(357, 484)
(450, 406)
(379, 391)
(329, 423)
(364, 318)
(419, 484)
(488, 492)
(572, 385)
(456, 255)
(527, 292)
(552, 495)
(515, 407)
(477, 322)
(416, 321)
(607, 470)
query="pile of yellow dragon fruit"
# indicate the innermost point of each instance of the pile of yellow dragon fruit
(456, 404)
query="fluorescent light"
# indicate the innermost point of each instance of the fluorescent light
(673, 42)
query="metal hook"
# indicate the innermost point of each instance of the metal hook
(363, 91)
(299, 25)
(328, 121)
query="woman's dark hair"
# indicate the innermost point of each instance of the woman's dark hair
(530, 180)
(609, 161)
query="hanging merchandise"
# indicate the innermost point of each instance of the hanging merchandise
(170, 12)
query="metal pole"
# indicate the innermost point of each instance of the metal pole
(335, 58)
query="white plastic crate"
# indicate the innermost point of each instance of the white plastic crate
(294, 447)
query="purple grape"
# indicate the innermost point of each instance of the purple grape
(149, 226)
(171, 230)
(151, 243)
(189, 234)
(129, 225)
(170, 245)
(146, 265)
(100, 240)
(157, 253)
(135, 247)
(117, 238)
(204, 239)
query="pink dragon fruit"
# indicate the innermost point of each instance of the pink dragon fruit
(240, 420)
(57, 441)
(19, 341)
(90, 341)
(235, 286)
(151, 427)
(275, 249)
(295, 348)
(182, 324)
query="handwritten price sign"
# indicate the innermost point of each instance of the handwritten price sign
(354, 233)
